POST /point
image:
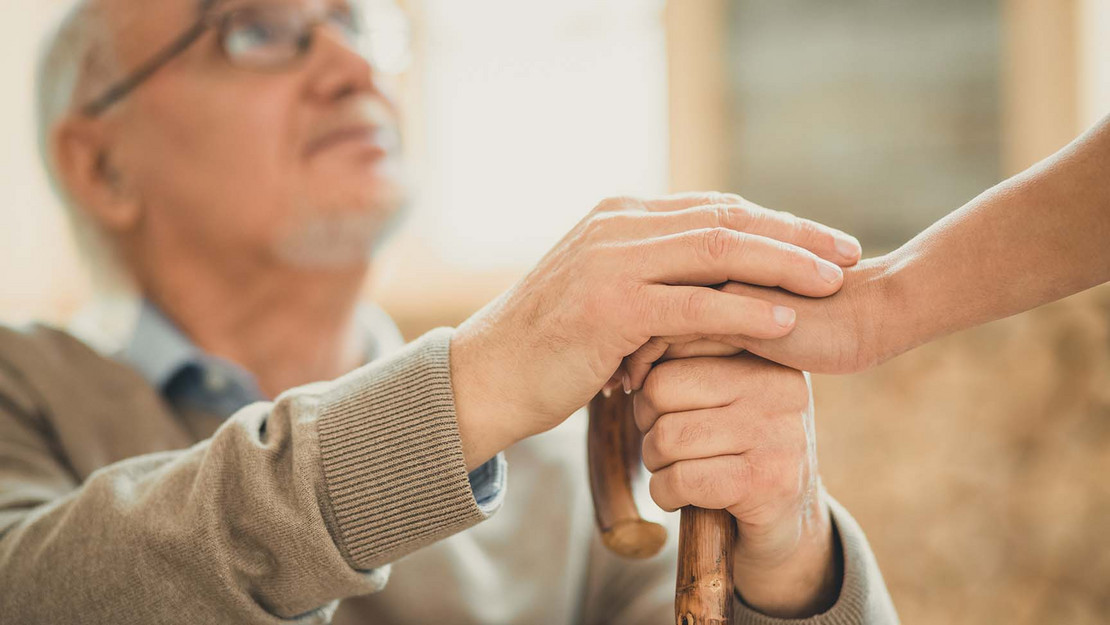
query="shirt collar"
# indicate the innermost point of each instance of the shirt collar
(157, 348)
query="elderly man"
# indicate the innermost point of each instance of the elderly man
(238, 162)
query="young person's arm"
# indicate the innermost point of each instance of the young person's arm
(1035, 238)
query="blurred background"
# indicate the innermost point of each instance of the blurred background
(976, 464)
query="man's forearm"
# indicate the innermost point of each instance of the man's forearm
(1034, 238)
(288, 507)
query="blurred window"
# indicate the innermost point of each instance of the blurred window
(530, 113)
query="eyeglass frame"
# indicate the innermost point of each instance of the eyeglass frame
(207, 20)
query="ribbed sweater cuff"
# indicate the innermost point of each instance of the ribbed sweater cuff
(863, 599)
(392, 457)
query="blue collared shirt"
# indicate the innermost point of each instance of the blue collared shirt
(186, 376)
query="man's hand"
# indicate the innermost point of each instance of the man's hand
(631, 270)
(737, 433)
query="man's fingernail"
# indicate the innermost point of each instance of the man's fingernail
(783, 316)
(828, 271)
(848, 247)
(627, 383)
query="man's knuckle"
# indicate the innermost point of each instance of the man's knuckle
(718, 243)
(602, 225)
(615, 203)
(712, 197)
(722, 216)
(733, 217)
(688, 433)
(695, 304)
(689, 479)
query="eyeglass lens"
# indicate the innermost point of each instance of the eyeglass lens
(268, 37)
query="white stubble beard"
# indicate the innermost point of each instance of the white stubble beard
(343, 236)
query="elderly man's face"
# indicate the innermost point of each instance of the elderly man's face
(293, 166)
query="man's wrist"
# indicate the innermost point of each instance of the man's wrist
(805, 583)
(488, 423)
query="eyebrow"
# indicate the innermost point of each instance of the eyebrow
(204, 6)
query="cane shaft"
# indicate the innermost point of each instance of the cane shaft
(703, 592)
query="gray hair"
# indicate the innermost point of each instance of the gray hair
(77, 61)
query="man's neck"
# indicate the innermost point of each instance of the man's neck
(287, 330)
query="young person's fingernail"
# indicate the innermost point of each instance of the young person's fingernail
(783, 316)
(627, 383)
(828, 271)
(606, 391)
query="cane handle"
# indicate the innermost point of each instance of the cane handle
(615, 468)
(703, 592)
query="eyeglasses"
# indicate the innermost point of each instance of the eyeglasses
(272, 37)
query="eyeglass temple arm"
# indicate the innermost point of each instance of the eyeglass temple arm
(136, 78)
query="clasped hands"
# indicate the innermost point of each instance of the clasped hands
(692, 302)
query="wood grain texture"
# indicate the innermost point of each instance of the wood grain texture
(703, 591)
(615, 468)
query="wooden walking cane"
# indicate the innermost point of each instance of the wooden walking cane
(703, 592)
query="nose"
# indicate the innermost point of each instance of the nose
(337, 69)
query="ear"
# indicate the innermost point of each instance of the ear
(82, 153)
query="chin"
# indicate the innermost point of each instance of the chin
(341, 231)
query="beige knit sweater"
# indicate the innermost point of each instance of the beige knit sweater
(114, 509)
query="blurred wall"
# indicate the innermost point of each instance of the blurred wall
(40, 275)
(876, 117)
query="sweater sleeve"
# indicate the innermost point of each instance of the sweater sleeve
(287, 508)
(863, 600)
(642, 591)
